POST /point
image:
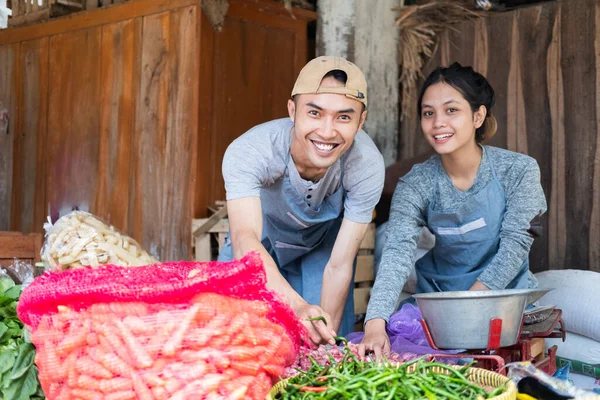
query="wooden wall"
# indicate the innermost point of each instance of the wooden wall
(256, 58)
(126, 111)
(543, 62)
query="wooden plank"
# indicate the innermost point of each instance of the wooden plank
(535, 26)
(594, 240)
(368, 241)
(182, 128)
(412, 142)
(8, 99)
(499, 28)
(165, 133)
(252, 44)
(74, 22)
(361, 299)
(117, 105)
(462, 44)
(481, 45)
(150, 128)
(365, 271)
(73, 140)
(202, 249)
(211, 222)
(220, 227)
(28, 19)
(557, 235)
(514, 94)
(579, 82)
(268, 12)
(19, 245)
(204, 166)
(29, 189)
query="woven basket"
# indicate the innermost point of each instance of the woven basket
(486, 379)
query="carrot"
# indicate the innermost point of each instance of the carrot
(214, 328)
(248, 367)
(172, 385)
(116, 385)
(238, 394)
(113, 343)
(274, 369)
(138, 353)
(87, 382)
(209, 383)
(160, 393)
(76, 338)
(114, 364)
(142, 391)
(65, 393)
(152, 378)
(241, 353)
(122, 395)
(52, 390)
(175, 341)
(85, 365)
(138, 326)
(92, 340)
(86, 394)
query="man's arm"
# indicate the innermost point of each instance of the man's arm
(338, 271)
(245, 226)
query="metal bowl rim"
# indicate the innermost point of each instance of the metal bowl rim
(477, 294)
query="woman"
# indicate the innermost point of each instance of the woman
(481, 203)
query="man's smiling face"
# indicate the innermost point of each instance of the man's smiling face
(325, 125)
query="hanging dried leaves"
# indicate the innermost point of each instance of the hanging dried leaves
(420, 27)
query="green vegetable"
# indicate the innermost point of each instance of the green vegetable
(355, 379)
(18, 373)
(319, 318)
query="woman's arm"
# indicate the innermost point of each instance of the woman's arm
(406, 220)
(524, 203)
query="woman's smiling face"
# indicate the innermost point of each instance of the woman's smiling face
(447, 120)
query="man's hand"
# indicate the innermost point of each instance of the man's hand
(375, 340)
(319, 332)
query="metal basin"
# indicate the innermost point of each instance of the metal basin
(461, 320)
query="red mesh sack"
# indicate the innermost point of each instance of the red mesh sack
(167, 331)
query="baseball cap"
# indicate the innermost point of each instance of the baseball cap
(309, 79)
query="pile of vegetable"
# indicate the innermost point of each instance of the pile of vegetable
(351, 378)
(18, 373)
(79, 239)
(325, 355)
(219, 347)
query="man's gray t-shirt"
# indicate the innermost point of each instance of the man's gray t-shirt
(257, 159)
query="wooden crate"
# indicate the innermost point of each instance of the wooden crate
(364, 276)
(25, 247)
(26, 12)
(208, 234)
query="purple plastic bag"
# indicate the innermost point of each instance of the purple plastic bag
(406, 324)
(405, 332)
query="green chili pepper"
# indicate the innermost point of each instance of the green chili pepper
(319, 318)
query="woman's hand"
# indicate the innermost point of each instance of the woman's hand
(375, 340)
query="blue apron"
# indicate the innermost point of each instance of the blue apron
(300, 239)
(466, 241)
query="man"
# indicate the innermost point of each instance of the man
(301, 192)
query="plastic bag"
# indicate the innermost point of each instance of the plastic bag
(19, 271)
(536, 383)
(172, 331)
(79, 239)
